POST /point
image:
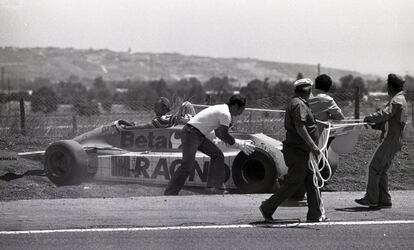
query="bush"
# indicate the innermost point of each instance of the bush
(44, 100)
(86, 108)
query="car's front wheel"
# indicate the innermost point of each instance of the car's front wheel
(66, 162)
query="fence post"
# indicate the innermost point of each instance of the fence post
(356, 112)
(74, 125)
(250, 120)
(22, 117)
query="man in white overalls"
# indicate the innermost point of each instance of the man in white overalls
(392, 118)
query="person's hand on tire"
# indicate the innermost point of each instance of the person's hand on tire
(246, 146)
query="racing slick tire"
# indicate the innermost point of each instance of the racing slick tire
(254, 173)
(66, 163)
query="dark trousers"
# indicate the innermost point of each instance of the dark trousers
(299, 174)
(325, 173)
(377, 186)
(193, 140)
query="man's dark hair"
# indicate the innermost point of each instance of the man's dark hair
(323, 82)
(395, 82)
(237, 99)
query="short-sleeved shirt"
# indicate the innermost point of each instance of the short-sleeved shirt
(211, 118)
(324, 106)
(298, 111)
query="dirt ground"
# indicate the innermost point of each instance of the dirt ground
(22, 179)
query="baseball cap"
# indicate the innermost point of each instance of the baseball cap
(303, 82)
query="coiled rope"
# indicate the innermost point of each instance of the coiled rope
(315, 161)
(320, 162)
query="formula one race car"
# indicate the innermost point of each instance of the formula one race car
(124, 153)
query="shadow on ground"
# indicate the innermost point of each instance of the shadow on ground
(12, 176)
(282, 223)
(275, 222)
(357, 209)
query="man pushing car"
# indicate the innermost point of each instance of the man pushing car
(194, 134)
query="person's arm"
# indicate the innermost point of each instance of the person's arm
(143, 126)
(222, 132)
(164, 121)
(335, 112)
(185, 113)
(384, 114)
(301, 129)
(300, 115)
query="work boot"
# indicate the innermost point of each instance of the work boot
(213, 190)
(321, 219)
(383, 205)
(386, 204)
(267, 216)
(169, 193)
(365, 202)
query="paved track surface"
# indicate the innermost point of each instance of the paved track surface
(203, 222)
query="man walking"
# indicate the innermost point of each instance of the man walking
(193, 137)
(324, 108)
(392, 118)
(301, 139)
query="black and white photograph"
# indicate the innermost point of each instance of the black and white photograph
(206, 124)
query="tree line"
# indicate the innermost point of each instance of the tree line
(46, 96)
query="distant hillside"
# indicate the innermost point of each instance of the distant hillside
(60, 63)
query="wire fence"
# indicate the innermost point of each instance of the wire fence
(66, 122)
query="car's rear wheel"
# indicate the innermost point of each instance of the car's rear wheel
(66, 163)
(254, 173)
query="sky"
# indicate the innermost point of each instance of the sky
(369, 36)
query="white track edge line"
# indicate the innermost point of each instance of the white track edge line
(131, 229)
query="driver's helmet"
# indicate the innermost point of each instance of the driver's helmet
(162, 106)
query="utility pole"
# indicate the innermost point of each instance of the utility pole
(356, 111)
(8, 94)
(1, 89)
(3, 86)
(318, 69)
(150, 74)
(2, 78)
